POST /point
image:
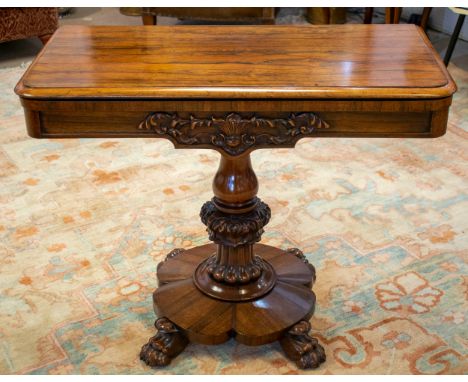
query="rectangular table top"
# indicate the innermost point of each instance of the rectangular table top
(309, 62)
(237, 88)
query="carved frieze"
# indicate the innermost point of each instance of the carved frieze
(233, 133)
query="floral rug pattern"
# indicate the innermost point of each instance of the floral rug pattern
(84, 222)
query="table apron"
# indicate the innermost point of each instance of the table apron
(264, 124)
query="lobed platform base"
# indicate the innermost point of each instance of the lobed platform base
(189, 315)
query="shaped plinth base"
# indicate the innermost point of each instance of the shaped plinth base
(191, 315)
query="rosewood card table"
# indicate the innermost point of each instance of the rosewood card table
(235, 89)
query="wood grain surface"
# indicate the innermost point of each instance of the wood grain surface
(212, 321)
(326, 61)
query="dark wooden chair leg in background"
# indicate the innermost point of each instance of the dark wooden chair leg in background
(392, 15)
(149, 19)
(389, 15)
(425, 17)
(397, 15)
(454, 38)
(327, 14)
(368, 13)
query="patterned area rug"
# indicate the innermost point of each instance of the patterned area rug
(83, 224)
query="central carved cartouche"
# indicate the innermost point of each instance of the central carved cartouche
(233, 134)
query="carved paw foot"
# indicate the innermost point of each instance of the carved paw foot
(165, 345)
(302, 348)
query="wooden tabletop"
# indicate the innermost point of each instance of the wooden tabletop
(316, 62)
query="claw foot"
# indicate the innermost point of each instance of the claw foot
(165, 345)
(302, 348)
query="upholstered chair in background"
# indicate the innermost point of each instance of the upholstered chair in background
(19, 23)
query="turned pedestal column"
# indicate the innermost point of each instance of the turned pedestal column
(234, 287)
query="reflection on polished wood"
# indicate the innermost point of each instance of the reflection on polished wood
(350, 61)
(268, 87)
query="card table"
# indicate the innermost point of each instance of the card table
(235, 89)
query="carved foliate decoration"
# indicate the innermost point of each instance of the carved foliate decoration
(234, 230)
(235, 274)
(233, 133)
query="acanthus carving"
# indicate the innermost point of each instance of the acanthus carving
(233, 133)
(235, 274)
(235, 230)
